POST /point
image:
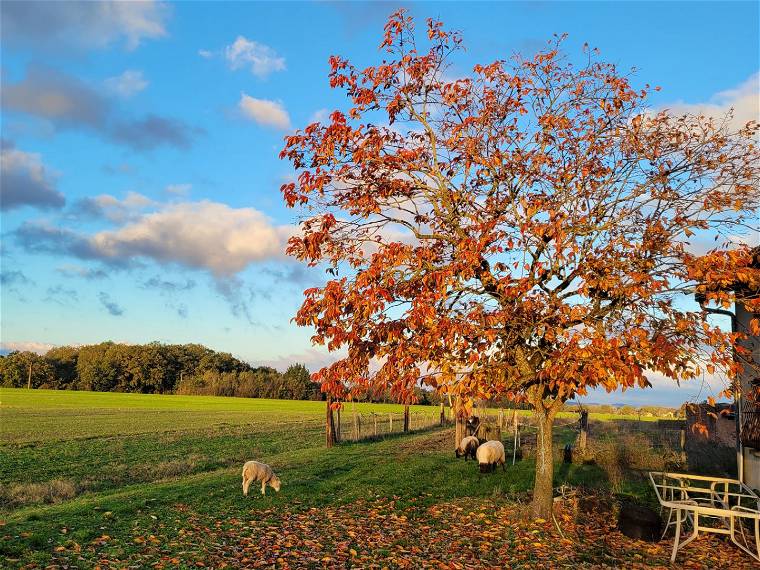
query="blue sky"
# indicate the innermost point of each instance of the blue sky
(140, 173)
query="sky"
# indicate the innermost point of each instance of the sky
(140, 172)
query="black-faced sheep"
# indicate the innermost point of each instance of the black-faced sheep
(255, 471)
(489, 455)
(467, 447)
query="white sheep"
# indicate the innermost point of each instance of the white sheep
(255, 471)
(489, 455)
(467, 447)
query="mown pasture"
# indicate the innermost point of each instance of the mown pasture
(120, 480)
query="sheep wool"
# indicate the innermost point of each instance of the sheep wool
(260, 472)
(489, 455)
(467, 447)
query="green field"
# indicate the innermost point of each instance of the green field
(89, 478)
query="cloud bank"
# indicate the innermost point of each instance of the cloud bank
(200, 235)
(24, 181)
(742, 99)
(83, 24)
(65, 103)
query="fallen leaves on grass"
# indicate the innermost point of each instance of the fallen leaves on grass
(394, 534)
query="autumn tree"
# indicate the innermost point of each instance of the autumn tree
(520, 229)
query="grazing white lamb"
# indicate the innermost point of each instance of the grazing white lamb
(467, 447)
(489, 455)
(255, 471)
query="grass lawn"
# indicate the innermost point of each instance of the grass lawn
(122, 480)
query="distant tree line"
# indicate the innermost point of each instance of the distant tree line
(154, 368)
(626, 410)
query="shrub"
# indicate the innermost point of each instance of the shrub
(620, 456)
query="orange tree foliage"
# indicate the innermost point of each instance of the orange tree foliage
(521, 230)
(731, 277)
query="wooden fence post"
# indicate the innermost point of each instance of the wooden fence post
(406, 419)
(443, 414)
(501, 418)
(583, 437)
(374, 417)
(337, 428)
(356, 421)
(516, 443)
(390, 423)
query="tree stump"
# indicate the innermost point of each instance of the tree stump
(637, 521)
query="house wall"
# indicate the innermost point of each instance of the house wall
(751, 456)
(752, 468)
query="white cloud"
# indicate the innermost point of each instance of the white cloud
(24, 181)
(127, 84)
(178, 189)
(205, 54)
(204, 235)
(113, 209)
(24, 346)
(313, 358)
(264, 112)
(86, 24)
(743, 99)
(262, 59)
(320, 116)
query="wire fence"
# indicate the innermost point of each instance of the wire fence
(351, 425)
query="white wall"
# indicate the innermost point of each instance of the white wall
(752, 468)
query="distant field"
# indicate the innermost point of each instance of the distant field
(54, 415)
(79, 466)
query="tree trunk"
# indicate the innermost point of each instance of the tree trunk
(406, 419)
(329, 425)
(543, 493)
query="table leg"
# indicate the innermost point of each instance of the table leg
(678, 535)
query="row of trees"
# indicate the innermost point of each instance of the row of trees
(263, 382)
(643, 411)
(153, 368)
